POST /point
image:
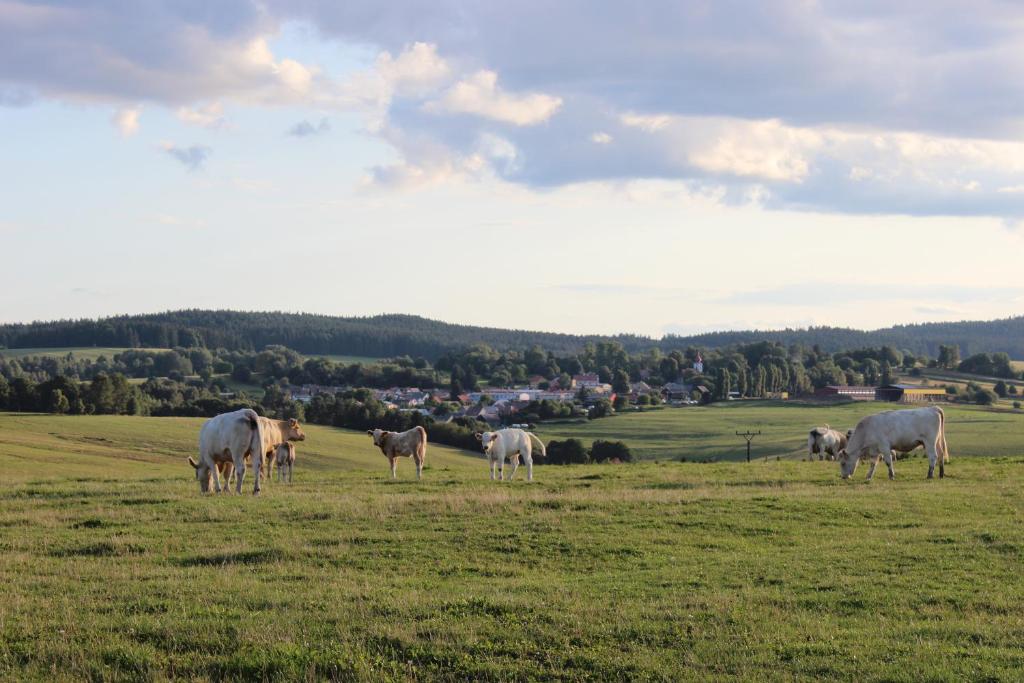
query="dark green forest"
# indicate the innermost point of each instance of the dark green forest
(397, 335)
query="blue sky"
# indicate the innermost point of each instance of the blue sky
(672, 167)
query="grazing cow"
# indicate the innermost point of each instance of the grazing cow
(511, 443)
(824, 440)
(412, 442)
(285, 459)
(228, 437)
(879, 436)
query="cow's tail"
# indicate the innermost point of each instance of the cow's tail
(192, 462)
(535, 440)
(256, 438)
(942, 446)
(421, 447)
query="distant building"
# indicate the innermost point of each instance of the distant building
(698, 364)
(587, 380)
(842, 391)
(675, 391)
(909, 393)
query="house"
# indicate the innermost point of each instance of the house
(640, 389)
(675, 391)
(588, 380)
(842, 391)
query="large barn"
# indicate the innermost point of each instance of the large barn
(909, 393)
(852, 393)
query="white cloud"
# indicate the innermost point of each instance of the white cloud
(209, 116)
(416, 71)
(601, 138)
(126, 120)
(479, 94)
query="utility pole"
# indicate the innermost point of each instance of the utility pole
(749, 436)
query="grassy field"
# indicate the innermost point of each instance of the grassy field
(90, 352)
(709, 432)
(348, 360)
(115, 568)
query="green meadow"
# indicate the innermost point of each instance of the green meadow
(114, 567)
(709, 432)
(87, 352)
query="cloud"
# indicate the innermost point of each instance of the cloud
(208, 116)
(126, 120)
(304, 128)
(192, 157)
(865, 108)
(479, 94)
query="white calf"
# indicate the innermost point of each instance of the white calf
(511, 443)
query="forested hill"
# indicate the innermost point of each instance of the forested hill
(392, 335)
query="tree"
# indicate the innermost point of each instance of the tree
(1001, 389)
(58, 402)
(603, 408)
(984, 397)
(621, 402)
(620, 382)
(949, 356)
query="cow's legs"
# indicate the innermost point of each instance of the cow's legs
(501, 474)
(239, 474)
(394, 467)
(874, 464)
(932, 457)
(216, 477)
(290, 466)
(515, 466)
(494, 467)
(257, 476)
(419, 468)
(529, 467)
(887, 456)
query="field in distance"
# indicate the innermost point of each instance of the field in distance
(85, 352)
(114, 567)
(709, 432)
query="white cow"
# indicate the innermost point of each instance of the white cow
(824, 440)
(878, 436)
(511, 443)
(228, 437)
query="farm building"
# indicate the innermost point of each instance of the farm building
(852, 393)
(909, 393)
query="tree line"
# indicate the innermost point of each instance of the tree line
(396, 335)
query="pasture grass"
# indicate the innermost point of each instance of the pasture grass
(115, 568)
(86, 352)
(709, 432)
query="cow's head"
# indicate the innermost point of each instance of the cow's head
(203, 475)
(488, 439)
(295, 432)
(378, 436)
(847, 463)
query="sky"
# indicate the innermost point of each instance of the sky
(586, 167)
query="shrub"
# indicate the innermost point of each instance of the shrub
(570, 451)
(602, 450)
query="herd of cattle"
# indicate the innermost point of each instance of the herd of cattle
(226, 441)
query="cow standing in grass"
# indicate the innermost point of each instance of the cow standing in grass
(231, 437)
(228, 437)
(879, 436)
(824, 440)
(510, 443)
(275, 433)
(412, 443)
(285, 455)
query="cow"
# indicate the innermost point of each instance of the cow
(824, 440)
(221, 441)
(880, 435)
(228, 438)
(285, 459)
(412, 442)
(511, 443)
(275, 433)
